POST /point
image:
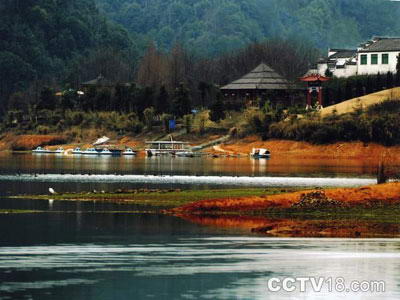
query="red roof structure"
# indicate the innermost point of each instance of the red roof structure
(314, 77)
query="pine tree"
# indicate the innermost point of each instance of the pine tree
(359, 88)
(162, 101)
(398, 71)
(389, 80)
(378, 82)
(348, 91)
(181, 104)
(217, 109)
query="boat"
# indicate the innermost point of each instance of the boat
(48, 151)
(90, 151)
(77, 150)
(41, 150)
(165, 147)
(129, 151)
(105, 151)
(60, 150)
(185, 154)
(260, 153)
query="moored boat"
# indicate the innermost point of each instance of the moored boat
(129, 151)
(105, 151)
(60, 150)
(77, 150)
(165, 147)
(41, 150)
(185, 154)
(48, 151)
(260, 153)
(90, 151)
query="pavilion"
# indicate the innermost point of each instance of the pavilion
(262, 82)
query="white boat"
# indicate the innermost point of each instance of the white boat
(77, 150)
(41, 150)
(60, 150)
(90, 151)
(105, 151)
(260, 153)
(185, 154)
(165, 147)
(48, 151)
(129, 151)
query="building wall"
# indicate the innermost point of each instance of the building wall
(378, 68)
(322, 69)
(349, 70)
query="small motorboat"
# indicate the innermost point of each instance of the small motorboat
(90, 151)
(60, 150)
(105, 151)
(129, 151)
(41, 150)
(260, 153)
(185, 154)
(77, 150)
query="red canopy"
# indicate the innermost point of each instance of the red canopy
(314, 77)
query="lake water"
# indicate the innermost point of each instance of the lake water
(76, 173)
(88, 251)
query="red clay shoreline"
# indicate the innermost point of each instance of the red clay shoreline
(368, 196)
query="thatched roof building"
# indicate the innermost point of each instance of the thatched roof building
(262, 77)
(261, 83)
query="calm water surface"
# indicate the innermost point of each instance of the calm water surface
(76, 173)
(122, 256)
(99, 251)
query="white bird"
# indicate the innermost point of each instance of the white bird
(52, 191)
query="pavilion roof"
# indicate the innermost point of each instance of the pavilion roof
(262, 77)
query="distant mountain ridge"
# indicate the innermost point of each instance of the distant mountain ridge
(215, 26)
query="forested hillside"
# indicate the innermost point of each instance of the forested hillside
(41, 39)
(215, 26)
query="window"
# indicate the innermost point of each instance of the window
(364, 59)
(385, 59)
(374, 59)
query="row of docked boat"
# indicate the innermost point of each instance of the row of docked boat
(89, 151)
(103, 151)
(155, 148)
(48, 151)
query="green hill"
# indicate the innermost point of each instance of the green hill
(215, 26)
(41, 38)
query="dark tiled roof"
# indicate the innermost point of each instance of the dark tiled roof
(383, 44)
(263, 77)
(343, 54)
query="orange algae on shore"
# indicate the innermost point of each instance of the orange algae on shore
(368, 196)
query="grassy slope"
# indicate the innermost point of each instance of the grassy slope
(361, 102)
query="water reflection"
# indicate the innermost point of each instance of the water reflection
(276, 166)
(300, 227)
(196, 268)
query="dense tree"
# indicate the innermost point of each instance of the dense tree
(41, 38)
(211, 27)
(163, 102)
(217, 110)
(181, 104)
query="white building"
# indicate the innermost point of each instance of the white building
(378, 56)
(340, 62)
(373, 57)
